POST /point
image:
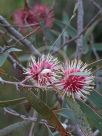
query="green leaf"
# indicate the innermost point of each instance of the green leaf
(13, 50)
(3, 58)
(67, 113)
(96, 98)
(14, 127)
(12, 102)
(94, 119)
(4, 55)
(45, 111)
(81, 120)
(50, 133)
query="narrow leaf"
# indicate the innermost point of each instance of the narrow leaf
(96, 98)
(9, 129)
(12, 102)
(81, 120)
(13, 50)
(3, 58)
(93, 117)
(45, 111)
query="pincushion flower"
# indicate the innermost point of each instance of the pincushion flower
(24, 17)
(44, 14)
(44, 71)
(77, 79)
(34, 16)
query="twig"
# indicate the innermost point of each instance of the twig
(76, 37)
(14, 113)
(79, 42)
(96, 5)
(17, 83)
(31, 119)
(21, 83)
(96, 133)
(18, 36)
(14, 61)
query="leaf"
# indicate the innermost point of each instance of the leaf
(50, 133)
(12, 102)
(7, 130)
(67, 113)
(13, 50)
(45, 111)
(96, 98)
(80, 120)
(94, 119)
(3, 58)
(4, 55)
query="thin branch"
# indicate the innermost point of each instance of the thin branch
(79, 42)
(76, 37)
(21, 83)
(25, 118)
(14, 61)
(96, 5)
(17, 83)
(18, 36)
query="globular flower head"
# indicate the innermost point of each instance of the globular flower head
(77, 80)
(44, 14)
(24, 17)
(44, 71)
(34, 16)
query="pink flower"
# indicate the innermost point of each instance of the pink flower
(77, 80)
(24, 17)
(33, 17)
(44, 14)
(43, 72)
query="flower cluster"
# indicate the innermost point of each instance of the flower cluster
(73, 78)
(34, 16)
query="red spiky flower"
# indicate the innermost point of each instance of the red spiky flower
(77, 80)
(44, 71)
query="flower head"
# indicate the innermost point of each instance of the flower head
(24, 17)
(44, 71)
(77, 80)
(34, 16)
(44, 14)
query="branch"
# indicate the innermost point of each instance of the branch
(96, 5)
(76, 37)
(79, 48)
(17, 83)
(18, 36)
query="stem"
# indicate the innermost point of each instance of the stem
(19, 36)
(79, 49)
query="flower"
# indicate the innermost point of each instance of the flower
(44, 14)
(77, 80)
(44, 71)
(24, 17)
(34, 16)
